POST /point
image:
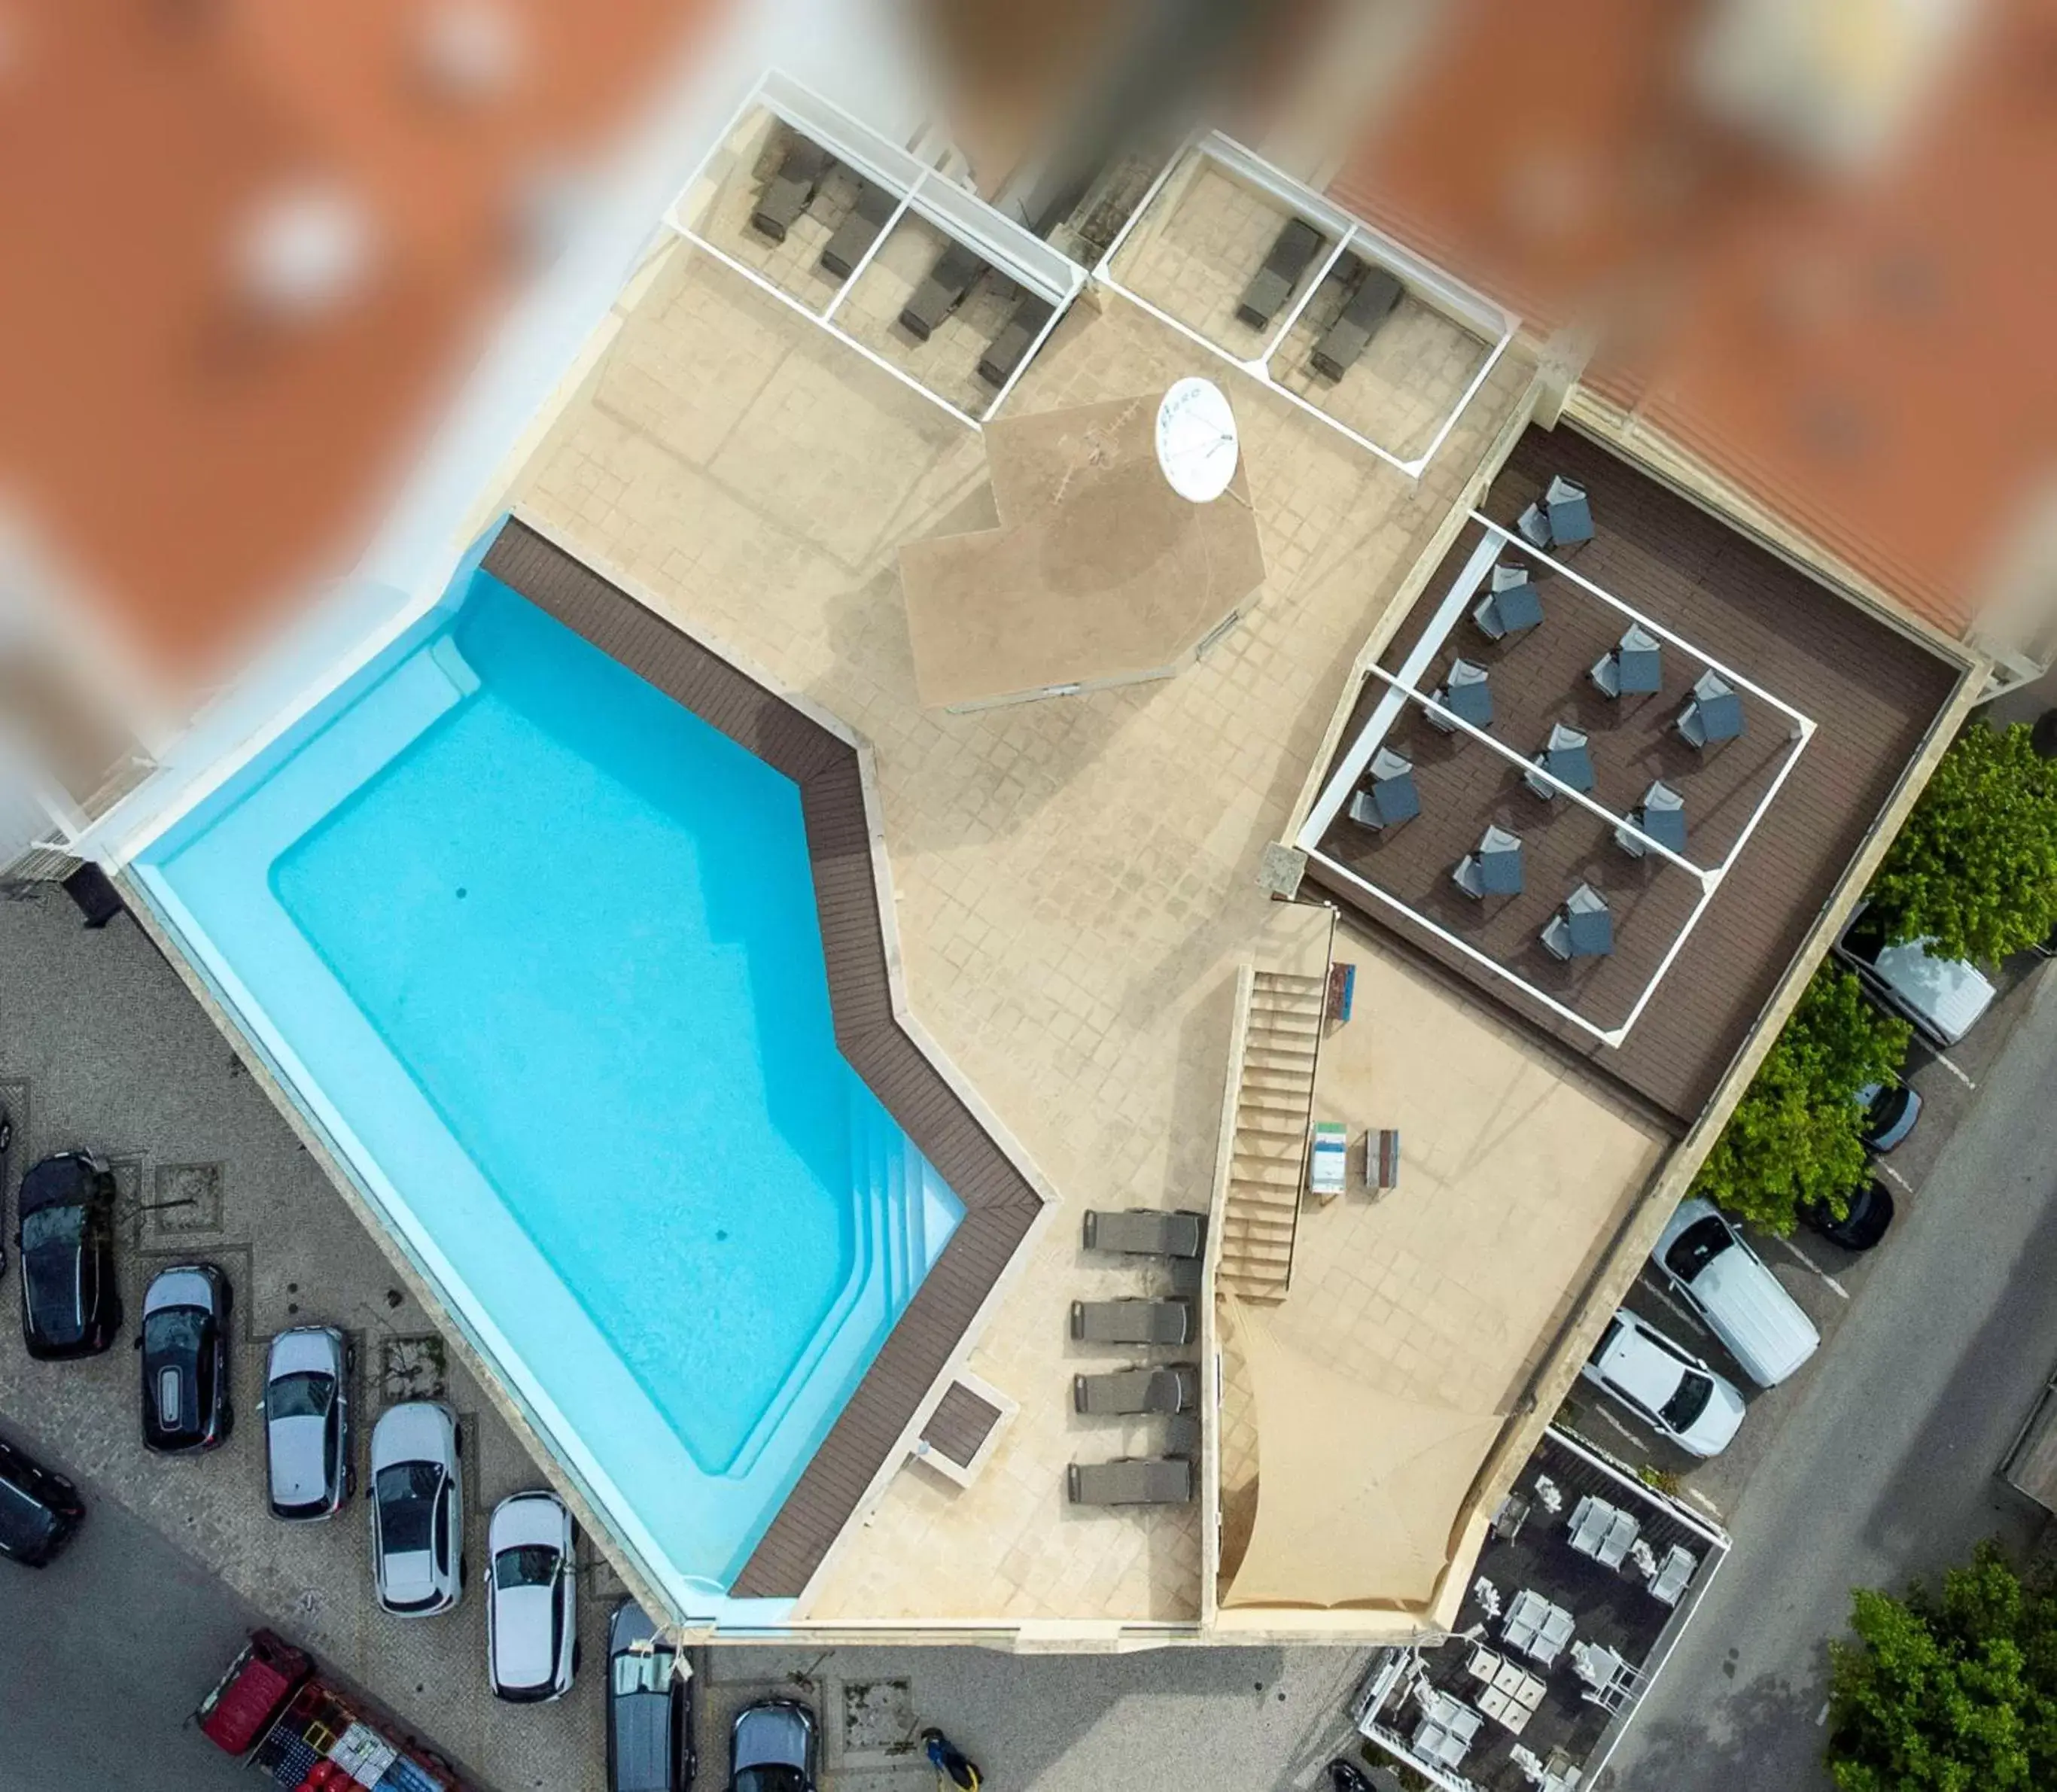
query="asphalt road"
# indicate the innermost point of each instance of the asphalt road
(1883, 1470)
(103, 1656)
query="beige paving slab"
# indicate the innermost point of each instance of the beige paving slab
(1075, 879)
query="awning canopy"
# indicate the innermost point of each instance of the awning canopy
(1359, 1492)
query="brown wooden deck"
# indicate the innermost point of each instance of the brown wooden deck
(961, 1422)
(1873, 694)
(1000, 1203)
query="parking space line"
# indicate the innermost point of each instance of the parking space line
(1664, 1295)
(1886, 1169)
(1808, 1262)
(1938, 1058)
(1601, 1411)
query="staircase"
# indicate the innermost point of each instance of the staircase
(1268, 1156)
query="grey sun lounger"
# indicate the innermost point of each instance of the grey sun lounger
(1146, 1232)
(942, 292)
(787, 194)
(996, 366)
(1135, 1481)
(1174, 1388)
(1133, 1322)
(1296, 245)
(1369, 306)
(860, 230)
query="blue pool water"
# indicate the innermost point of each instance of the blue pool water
(539, 947)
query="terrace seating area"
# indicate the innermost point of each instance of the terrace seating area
(1633, 774)
(1577, 1588)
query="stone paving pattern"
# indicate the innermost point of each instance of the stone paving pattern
(1194, 252)
(1075, 879)
(102, 1047)
(1514, 1178)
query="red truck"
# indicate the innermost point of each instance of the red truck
(273, 1709)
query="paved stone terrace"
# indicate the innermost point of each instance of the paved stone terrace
(1075, 879)
(1205, 236)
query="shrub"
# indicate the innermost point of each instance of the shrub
(1797, 1136)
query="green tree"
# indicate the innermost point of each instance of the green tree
(1975, 869)
(1957, 1694)
(1797, 1136)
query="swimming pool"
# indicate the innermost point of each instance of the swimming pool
(538, 947)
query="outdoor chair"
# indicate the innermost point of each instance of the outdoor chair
(789, 190)
(1493, 868)
(1713, 713)
(996, 366)
(1146, 1232)
(1561, 518)
(1632, 667)
(1134, 1481)
(1465, 694)
(1370, 303)
(943, 290)
(1133, 1322)
(1662, 815)
(1295, 246)
(1391, 797)
(1174, 1388)
(856, 234)
(1563, 756)
(1512, 606)
(1583, 928)
(1674, 1575)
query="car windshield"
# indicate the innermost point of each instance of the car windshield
(300, 1397)
(642, 1671)
(176, 1331)
(1696, 1246)
(25, 1524)
(533, 1564)
(407, 1495)
(1684, 1407)
(48, 1226)
(770, 1779)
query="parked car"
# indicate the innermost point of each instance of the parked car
(417, 1509)
(1870, 1212)
(6, 1142)
(184, 1342)
(649, 1707)
(1665, 1386)
(1705, 1258)
(531, 1599)
(39, 1509)
(771, 1748)
(1890, 1111)
(64, 1228)
(1944, 997)
(306, 1407)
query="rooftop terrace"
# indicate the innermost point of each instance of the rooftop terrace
(1834, 707)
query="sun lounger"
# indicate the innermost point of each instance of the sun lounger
(1369, 306)
(1173, 1389)
(860, 230)
(787, 194)
(1327, 1164)
(996, 366)
(1133, 1322)
(1295, 246)
(942, 292)
(1146, 1232)
(1135, 1481)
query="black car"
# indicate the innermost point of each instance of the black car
(65, 1229)
(185, 1360)
(649, 1708)
(1891, 1110)
(39, 1509)
(1870, 1213)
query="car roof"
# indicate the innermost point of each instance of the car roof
(305, 1349)
(415, 1431)
(523, 1519)
(67, 1180)
(1950, 991)
(187, 1285)
(1638, 1366)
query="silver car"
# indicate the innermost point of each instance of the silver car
(307, 1423)
(417, 1509)
(532, 1598)
(771, 1747)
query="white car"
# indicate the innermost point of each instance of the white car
(1944, 997)
(417, 1509)
(306, 1422)
(1704, 1258)
(1669, 1389)
(531, 1599)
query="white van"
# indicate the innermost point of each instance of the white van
(1944, 997)
(1704, 1258)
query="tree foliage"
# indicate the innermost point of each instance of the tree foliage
(1975, 869)
(1797, 1136)
(1958, 1694)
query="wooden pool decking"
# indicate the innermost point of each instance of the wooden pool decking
(1000, 1202)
